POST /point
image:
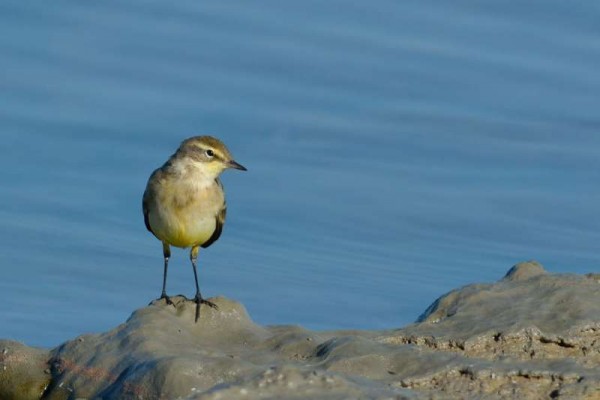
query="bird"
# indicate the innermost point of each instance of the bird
(184, 202)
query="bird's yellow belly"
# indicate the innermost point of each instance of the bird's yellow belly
(184, 228)
(183, 213)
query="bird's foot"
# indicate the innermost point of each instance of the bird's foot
(167, 299)
(199, 300)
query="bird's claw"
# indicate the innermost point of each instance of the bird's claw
(199, 300)
(167, 299)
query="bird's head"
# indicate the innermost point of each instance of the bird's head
(207, 154)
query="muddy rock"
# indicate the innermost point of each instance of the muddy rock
(24, 371)
(530, 335)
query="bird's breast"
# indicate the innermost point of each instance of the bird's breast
(185, 212)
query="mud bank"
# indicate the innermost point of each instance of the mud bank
(530, 335)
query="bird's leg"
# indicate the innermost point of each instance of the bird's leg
(198, 298)
(167, 255)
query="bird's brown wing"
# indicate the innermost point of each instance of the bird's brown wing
(145, 200)
(220, 222)
(145, 209)
(218, 228)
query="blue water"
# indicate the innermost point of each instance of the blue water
(396, 150)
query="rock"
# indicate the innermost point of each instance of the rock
(159, 351)
(24, 372)
(544, 327)
(524, 270)
(531, 335)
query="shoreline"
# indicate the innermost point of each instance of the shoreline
(529, 335)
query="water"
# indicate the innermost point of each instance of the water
(395, 151)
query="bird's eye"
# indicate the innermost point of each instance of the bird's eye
(210, 153)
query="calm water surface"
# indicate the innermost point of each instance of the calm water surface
(396, 150)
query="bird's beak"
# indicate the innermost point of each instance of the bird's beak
(235, 165)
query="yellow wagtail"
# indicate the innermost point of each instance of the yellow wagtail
(184, 203)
